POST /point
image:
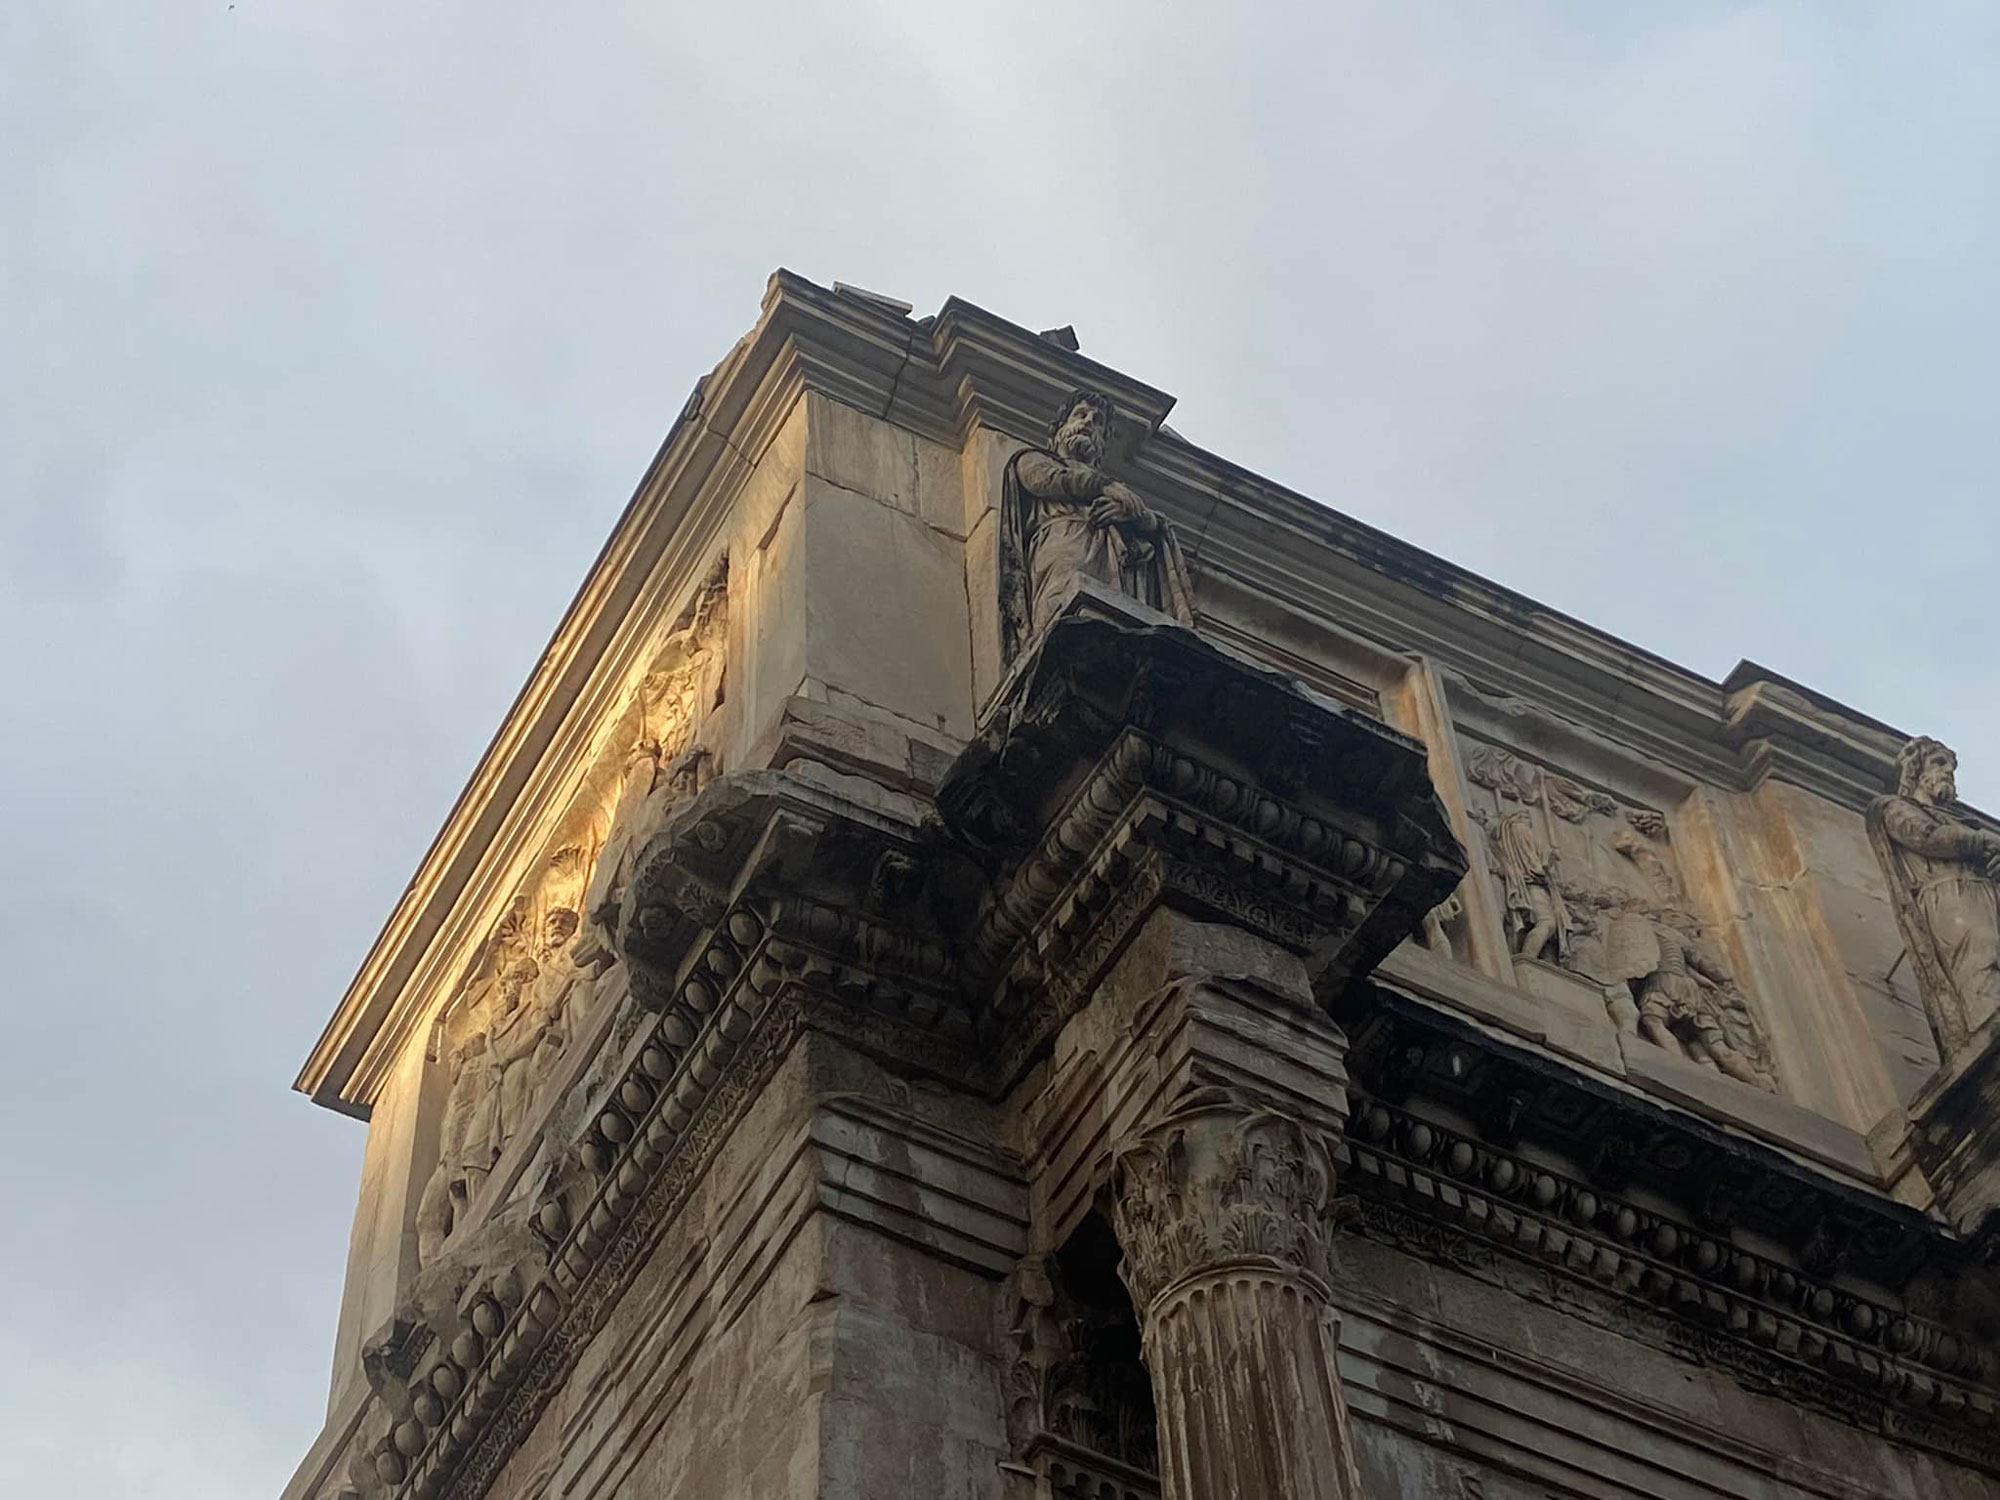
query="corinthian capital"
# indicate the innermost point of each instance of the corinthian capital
(1223, 1183)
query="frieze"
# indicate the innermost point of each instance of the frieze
(544, 970)
(1568, 1243)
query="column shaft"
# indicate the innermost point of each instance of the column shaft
(1222, 1211)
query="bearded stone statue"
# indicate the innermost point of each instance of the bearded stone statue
(1942, 870)
(1063, 517)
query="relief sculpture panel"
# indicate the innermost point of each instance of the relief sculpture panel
(539, 979)
(1590, 884)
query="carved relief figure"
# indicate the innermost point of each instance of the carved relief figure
(1646, 856)
(1686, 995)
(456, 1179)
(562, 990)
(513, 1033)
(1437, 936)
(1062, 517)
(1539, 921)
(1942, 873)
(1590, 884)
(523, 1012)
(532, 989)
(1528, 876)
(663, 765)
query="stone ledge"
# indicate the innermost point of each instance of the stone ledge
(1954, 1134)
(1766, 1116)
(1616, 1133)
(1420, 972)
(1730, 1104)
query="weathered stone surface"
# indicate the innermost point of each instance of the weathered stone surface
(1284, 1017)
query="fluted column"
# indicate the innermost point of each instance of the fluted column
(1223, 1210)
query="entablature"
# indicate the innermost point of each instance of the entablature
(941, 377)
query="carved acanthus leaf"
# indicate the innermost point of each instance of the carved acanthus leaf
(1222, 1180)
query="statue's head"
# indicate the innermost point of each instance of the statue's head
(1081, 431)
(558, 927)
(1927, 771)
(515, 978)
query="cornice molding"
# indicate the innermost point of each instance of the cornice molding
(1131, 764)
(658, 551)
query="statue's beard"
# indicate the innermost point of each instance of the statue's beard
(1082, 448)
(1933, 787)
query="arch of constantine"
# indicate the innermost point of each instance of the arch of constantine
(1000, 955)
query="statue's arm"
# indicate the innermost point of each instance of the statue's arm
(1047, 477)
(1709, 968)
(523, 1042)
(1935, 835)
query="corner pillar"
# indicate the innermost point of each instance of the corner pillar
(1185, 858)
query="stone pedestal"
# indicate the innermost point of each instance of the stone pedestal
(1955, 1132)
(1223, 1211)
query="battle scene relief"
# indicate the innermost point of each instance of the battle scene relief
(548, 969)
(1590, 884)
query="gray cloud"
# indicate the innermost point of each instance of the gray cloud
(337, 336)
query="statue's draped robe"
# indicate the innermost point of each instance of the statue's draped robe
(1046, 541)
(510, 1083)
(437, 1208)
(559, 988)
(1949, 912)
(1522, 869)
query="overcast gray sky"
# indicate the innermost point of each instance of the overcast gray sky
(334, 336)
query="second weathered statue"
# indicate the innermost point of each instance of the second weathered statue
(1942, 873)
(1062, 517)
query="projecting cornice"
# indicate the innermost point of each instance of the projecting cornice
(941, 376)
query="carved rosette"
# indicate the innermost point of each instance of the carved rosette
(1223, 1211)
